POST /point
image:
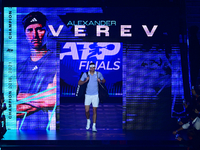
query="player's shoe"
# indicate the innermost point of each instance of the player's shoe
(94, 129)
(88, 124)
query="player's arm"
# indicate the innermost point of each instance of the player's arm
(101, 78)
(83, 79)
(46, 99)
(42, 99)
(184, 126)
(103, 81)
(175, 132)
(24, 107)
(82, 82)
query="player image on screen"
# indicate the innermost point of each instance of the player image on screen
(36, 76)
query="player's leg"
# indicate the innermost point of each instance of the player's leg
(87, 110)
(95, 104)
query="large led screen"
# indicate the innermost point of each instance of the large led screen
(135, 48)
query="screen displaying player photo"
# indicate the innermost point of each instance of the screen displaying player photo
(46, 50)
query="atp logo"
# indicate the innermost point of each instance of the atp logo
(91, 49)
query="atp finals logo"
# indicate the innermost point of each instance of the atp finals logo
(107, 55)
